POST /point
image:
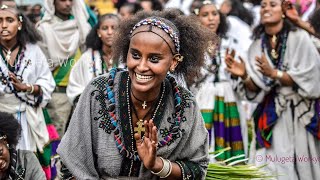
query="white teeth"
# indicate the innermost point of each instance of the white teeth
(267, 15)
(143, 78)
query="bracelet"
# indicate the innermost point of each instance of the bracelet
(28, 86)
(166, 169)
(32, 89)
(279, 74)
(170, 170)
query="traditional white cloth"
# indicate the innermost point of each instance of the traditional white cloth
(61, 39)
(85, 69)
(293, 148)
(82, 73)
(241, 34)
(183, 5)
(36, 72)
(208, 90)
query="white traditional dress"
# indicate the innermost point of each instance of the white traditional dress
(286, 120)
(219, 104)
(31, 66)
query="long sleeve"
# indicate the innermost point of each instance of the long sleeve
(45, 79)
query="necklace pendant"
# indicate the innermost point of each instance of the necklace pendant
(8, 57)
(274, 39)
(274, 54)
(144, 105)
(140, 129)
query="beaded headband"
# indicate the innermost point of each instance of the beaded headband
(206, 2)
(171, 29)
(12, 10)
(3, 137)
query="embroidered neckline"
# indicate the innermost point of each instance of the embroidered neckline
(279, 61)
(125, 151)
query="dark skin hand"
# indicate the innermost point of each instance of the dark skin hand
(292, 14)
(19, 86)
(264, 67)
(147, 148)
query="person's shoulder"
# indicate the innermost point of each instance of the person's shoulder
(299, 35)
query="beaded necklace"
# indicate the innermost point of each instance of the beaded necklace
(17, 63)
(114, 121)
(103, 70)
(277, 62)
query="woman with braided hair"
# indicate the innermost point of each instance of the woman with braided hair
(140, 122)
(15, 164)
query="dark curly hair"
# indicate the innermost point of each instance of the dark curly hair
(10, 127)
(133, 7)
(241, 12)
(193, 41)
(223, 26)
(287, 26)
(93, 41)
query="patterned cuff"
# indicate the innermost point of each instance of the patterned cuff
(190, 170)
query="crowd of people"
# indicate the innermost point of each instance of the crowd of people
(147, 92)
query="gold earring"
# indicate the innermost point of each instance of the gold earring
(178, 57)
(172, 70)
(19, 28)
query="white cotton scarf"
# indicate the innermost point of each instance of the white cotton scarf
(63, 38)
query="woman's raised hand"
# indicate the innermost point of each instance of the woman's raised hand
(290, 11)
(147, 146)
(235, 68)
(18, 85)
(264, 66)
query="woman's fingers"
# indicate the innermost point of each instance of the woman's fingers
(138, 139)
(154, 139)
(150, 129)
(146, 129)
(227, 52)
(233, 53)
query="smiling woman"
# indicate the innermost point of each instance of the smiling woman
(140, 122)
(15, 164)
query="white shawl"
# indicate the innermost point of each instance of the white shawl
(61, 39)
(82, 73)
